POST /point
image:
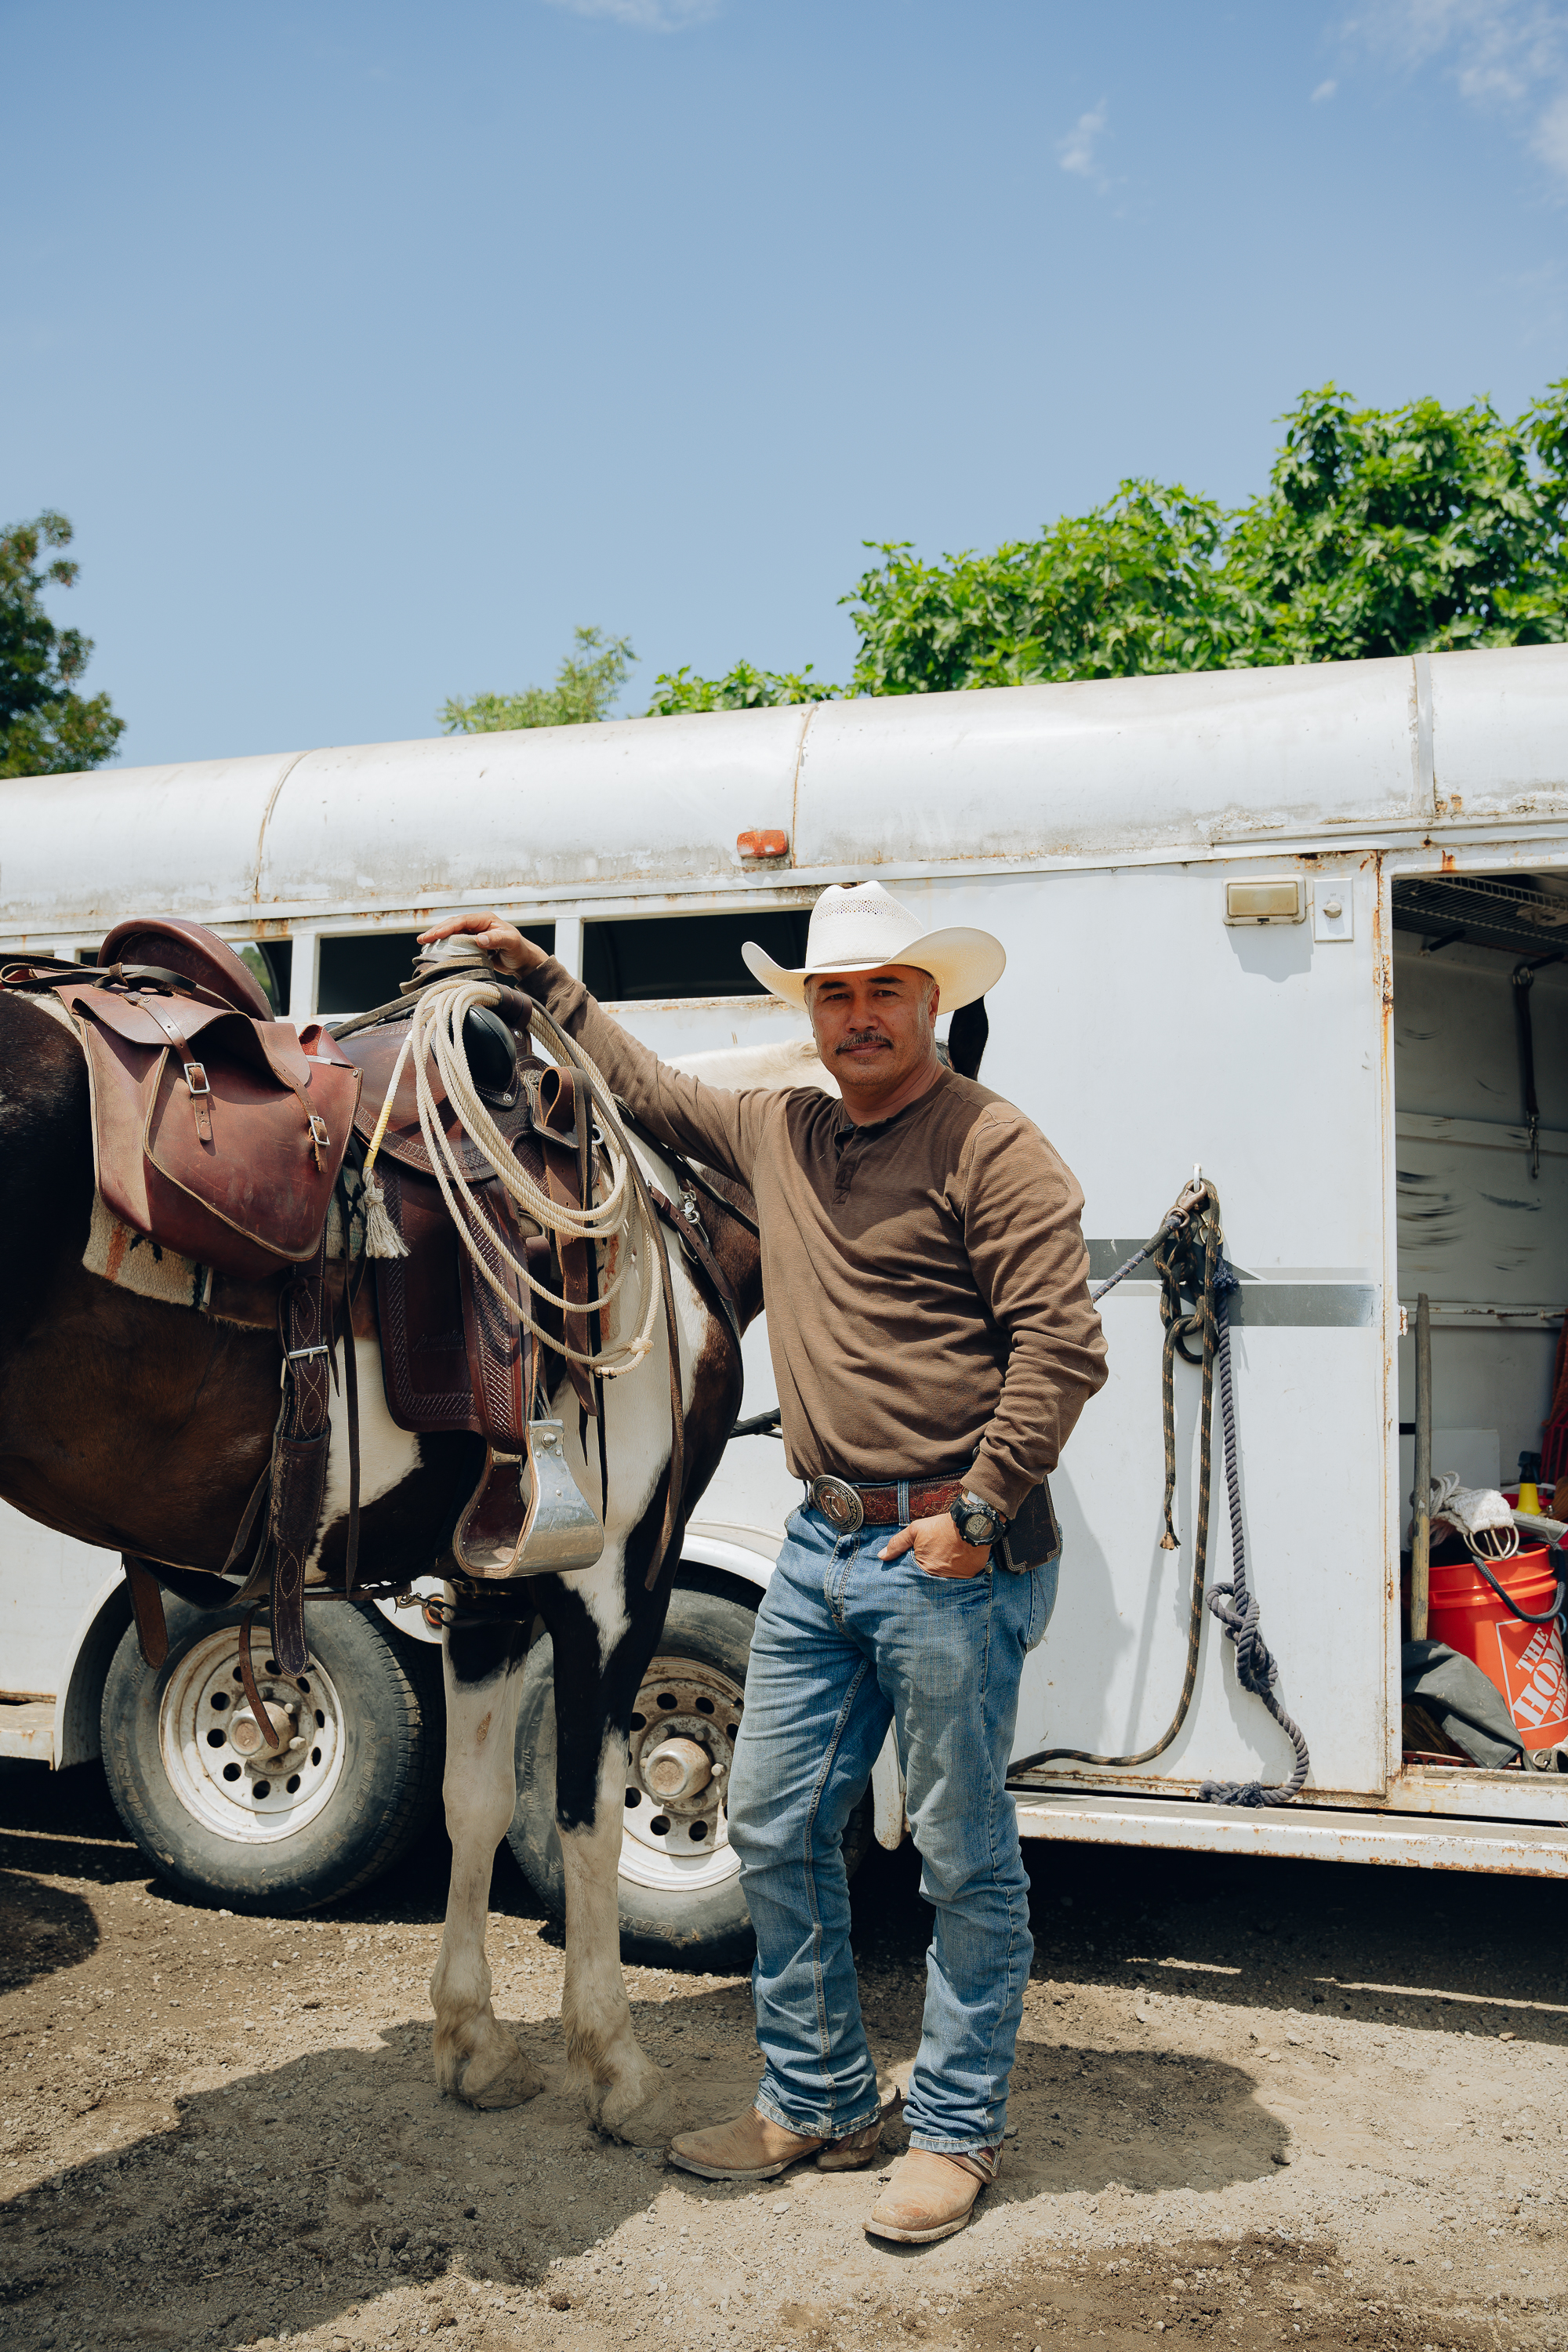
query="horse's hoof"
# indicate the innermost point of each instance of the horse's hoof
(612, 2097)
(496, 2076)
(512, 2087)
(651, 2123)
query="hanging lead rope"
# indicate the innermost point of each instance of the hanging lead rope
(1176, 1245)
(1188, 1252)
(1174, 1224)
(1236, 1605)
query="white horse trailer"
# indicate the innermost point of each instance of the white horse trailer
(1345, 1071)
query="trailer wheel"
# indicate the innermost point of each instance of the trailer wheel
(679, 1882)
(211, 1807)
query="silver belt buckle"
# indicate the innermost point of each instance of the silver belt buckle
(839, 1504)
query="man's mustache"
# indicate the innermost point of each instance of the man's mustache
(863, 1038)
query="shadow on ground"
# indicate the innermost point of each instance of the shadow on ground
(302, 2189)
(286, 2196)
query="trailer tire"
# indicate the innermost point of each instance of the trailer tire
(214, 1821)
(670, 1914)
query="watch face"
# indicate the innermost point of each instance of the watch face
(978, 1526)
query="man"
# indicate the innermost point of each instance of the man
(933, 1345)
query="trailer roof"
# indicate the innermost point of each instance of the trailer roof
(1097, 772)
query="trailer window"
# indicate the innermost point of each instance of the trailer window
(368, 968)
(271, 963)
(630, 961)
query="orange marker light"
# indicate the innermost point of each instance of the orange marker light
(757, 844)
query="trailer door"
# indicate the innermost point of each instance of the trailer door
(1146, 1033)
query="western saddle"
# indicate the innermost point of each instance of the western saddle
(223, 1134)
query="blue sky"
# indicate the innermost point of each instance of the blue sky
(371, 348)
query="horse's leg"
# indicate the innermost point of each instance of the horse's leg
(476, 2057)
(623, 2088)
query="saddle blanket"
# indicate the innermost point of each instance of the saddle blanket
(132, 1262)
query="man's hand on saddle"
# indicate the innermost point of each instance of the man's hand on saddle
(938, 1548)
(502, 942)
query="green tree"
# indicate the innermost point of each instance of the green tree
(1131, 586)
(47, 727)
(1381, 531)
(586, 684)
(740, 688)
(1412, 529)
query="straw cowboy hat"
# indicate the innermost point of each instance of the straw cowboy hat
(859, 928)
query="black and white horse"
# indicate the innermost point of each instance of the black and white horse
(142, 1427)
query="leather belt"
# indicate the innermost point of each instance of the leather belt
(848, 1507)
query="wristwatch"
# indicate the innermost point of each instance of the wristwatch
(977, 1521)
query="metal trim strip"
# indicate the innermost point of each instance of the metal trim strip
(1260, 1305)
(1304, 1832)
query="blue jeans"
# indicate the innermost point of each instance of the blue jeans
(845, 1643)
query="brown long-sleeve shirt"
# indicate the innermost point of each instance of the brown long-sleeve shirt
(925, 1278)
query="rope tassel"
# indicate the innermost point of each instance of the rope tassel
(359, 1223)
(382, 1238)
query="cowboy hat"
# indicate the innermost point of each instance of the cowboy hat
(859, 928)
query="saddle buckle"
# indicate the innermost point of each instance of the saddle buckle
(320, 1139)
(293, 1357)
(200, 1089)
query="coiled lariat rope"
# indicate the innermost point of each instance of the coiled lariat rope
(1188, 1253)
(435, 1043)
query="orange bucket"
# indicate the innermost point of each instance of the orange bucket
(1524, 1662)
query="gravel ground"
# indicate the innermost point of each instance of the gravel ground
(1256, 2103)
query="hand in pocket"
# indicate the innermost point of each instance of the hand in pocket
(938, 1548)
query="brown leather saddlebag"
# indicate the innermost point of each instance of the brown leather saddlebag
(218, 1135)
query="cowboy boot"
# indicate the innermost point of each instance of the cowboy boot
(930, 2196)
(750, 2148)
(852, 2154)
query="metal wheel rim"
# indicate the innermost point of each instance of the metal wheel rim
(198, 1768)
(654, 1860)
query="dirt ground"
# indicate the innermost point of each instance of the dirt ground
(1256, 2103)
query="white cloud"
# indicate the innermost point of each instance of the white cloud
(1508, 56)
(1076, 151)
(1324, 89)
(1549, 139)
(645, 16)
